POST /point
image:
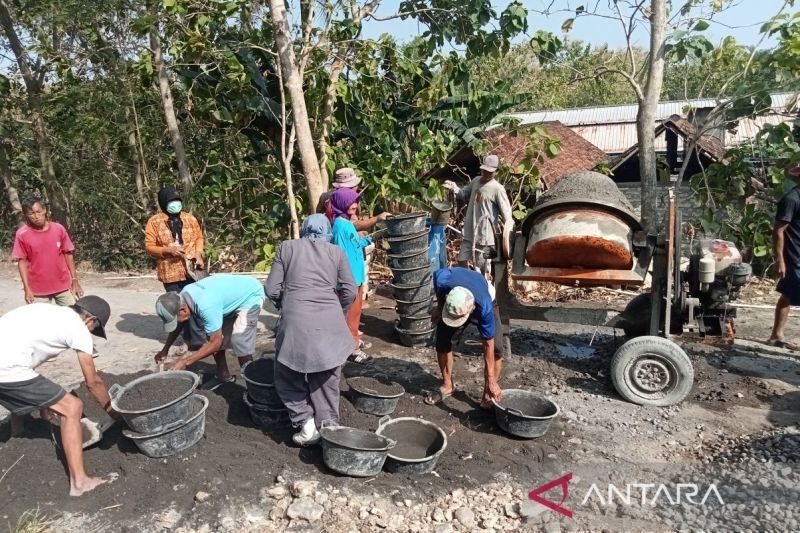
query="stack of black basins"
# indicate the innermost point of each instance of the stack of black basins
(412, 286)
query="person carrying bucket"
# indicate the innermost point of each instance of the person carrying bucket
(487, 204)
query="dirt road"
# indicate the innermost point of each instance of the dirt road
(251, 476)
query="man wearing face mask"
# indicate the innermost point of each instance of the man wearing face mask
(174, 237)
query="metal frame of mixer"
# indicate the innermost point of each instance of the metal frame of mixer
(662, 250)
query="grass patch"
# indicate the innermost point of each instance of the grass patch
(32, 521)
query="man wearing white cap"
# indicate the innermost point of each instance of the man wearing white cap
(488, 203)
(346, 178)
(465, 297)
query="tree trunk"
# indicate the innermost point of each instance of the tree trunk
(646, 117)
(166, 101)
(8, 181)
(327, 113)
(133, 155)
(293, 83)
(33, 90)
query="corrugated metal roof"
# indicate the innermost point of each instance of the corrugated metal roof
(581, 116)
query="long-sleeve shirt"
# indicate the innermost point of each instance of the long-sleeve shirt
(157, 236)
(488, 203)
(346, 237)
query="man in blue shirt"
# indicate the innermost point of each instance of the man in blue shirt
(222, 312)
(464, 296)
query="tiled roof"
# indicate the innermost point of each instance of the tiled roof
(576, 153)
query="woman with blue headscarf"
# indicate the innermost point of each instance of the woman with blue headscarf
(312, 286)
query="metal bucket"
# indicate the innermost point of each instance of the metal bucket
(415, 339)
(264, 416)
(262, 393)
(414, 259)
(372, 402)
(400, 225)
(176, 437)
(415, 307)
(415, 324)
(153, 420)
(408, 244)
(440, 212)
(411, 293)
(354, 452)
(524, 413)
(419, 444)
(412, 276)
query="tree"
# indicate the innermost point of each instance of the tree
(167, 102)
(34, 80)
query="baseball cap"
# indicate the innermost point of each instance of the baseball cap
(491, 163)
(345, 177)
(457, 307)
(795, 172)
(99, 309)
(167, 307)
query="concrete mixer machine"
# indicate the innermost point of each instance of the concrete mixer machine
(584, 232)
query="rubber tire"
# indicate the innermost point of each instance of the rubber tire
(663, 349)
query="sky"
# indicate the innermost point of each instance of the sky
(742, 20)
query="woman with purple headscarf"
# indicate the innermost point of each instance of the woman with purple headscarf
(342, 206)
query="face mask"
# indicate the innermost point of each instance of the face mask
(174, 207)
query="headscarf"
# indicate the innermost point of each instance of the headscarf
(166, 195)
(316, 228)
(340, 202)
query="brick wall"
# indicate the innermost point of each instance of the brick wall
(686, 205)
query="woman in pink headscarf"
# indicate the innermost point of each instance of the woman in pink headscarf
(341, 208)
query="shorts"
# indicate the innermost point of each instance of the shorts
(239, 331)
(789, 285)
(23, 397)
(445, 334)
(64, 298)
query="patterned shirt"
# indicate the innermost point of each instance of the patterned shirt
(158, 236)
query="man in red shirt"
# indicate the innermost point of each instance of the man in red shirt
(43, 251)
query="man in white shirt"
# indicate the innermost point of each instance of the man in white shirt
(488, 203)
(34, 334)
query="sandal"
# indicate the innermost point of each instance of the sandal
(780, 343)
(216, 382)
(359, 357)
(437, 396)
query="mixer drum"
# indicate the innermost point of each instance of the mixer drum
(583, 222)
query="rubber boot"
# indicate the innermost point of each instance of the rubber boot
(308, 434)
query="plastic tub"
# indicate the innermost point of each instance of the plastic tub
(408, 244)
(153, 420)
(411, 293)
(264, 416)
(414, 308)
(262, 392)
(399, 225)
(373, 402)
(415, 339)
(411, 260)
(175, 438)
(419, 444)
(415, 324)
(525, 414)
(412, 276)
(354, 452)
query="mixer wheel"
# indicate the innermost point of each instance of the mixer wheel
(652, 371)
